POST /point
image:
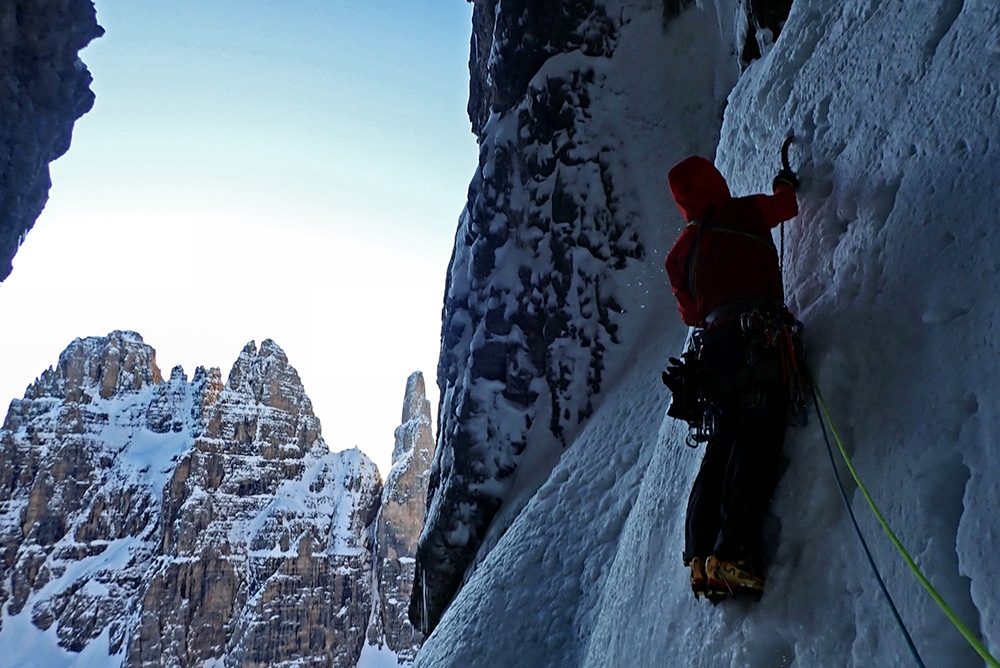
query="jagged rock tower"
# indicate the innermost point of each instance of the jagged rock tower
(399, 523)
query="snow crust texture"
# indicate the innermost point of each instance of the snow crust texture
(172, 523)
(892, 266)
(45, 89)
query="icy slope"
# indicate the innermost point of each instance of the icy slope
(893, 268)
(540, 590)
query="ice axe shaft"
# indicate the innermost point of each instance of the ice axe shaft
(784, 153)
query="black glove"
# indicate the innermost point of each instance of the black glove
(681, 377)
(673, 375)
(785, 176)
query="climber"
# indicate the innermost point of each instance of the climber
(725, 274)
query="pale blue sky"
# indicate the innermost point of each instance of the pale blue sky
(256, 170)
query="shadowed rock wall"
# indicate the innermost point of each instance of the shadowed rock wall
(45, 89)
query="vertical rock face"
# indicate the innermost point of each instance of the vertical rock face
(399, 523)
(545, 247)
(46, 88)
(71, 492)
(177, 523)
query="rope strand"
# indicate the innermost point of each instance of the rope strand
(861, 537)
(963, 629)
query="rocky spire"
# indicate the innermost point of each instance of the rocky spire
(415, 428)
(265, 377)
(263, 408)
(399, 524)
(167, 410)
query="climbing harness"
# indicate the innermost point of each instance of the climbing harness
(784, 332)
(963, 629)
(696, 384)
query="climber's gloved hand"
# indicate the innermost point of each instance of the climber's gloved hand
(786, 176)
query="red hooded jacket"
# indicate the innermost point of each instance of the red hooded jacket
(734, 256)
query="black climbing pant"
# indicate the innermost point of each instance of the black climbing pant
(740, 470)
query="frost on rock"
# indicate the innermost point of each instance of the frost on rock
(532, 305)
(44, 89)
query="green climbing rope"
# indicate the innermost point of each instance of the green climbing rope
(969, 636)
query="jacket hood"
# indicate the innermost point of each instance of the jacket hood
(696, 184)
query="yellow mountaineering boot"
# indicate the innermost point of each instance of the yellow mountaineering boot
(728, 578)
(699, 578)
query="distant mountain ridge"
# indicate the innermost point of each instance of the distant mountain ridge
(172, 523)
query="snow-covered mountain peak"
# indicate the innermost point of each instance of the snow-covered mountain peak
(189, 523)
(99, 367)
(264, 376)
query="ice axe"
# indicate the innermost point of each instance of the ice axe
(785, 167)
(784, 152)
